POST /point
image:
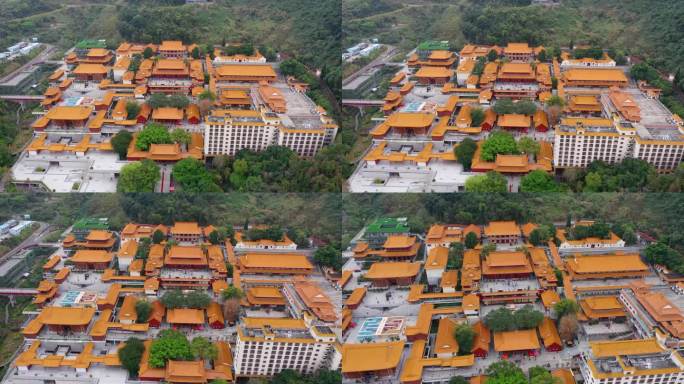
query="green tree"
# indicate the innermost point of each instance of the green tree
(565, 307)
(455, 258)
(492, 181)
(492, 55)
(465, 337)
(178, 101)
(459, 379)
(197, 299)
(173, 299)
(528, 146)
(140, 176)
(131, 354)
(143, 309)
(217, 237)
(525, 107)
(120, 143)
(158, 236)
(143, 249)
(536, 237)
(192, 177)
(500, 320)
(471, 240)
(505, 372)
(195, 53)
(132, 110)
(504, 107)
(147, 52)
(203, 349)
(542, 56)
(134, 65)
(539, 181)
(477, 116)
(158, 100)
(527, 317)
(153, 133)
(556, 101)
(543, 377)
(465, 151)
(329, 256)
(207, 95)
(180, 136)
(170, 344)
(231, 293)
(498, 143)
(592, 182)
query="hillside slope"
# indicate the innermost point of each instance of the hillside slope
(648, 28)
(308, 29)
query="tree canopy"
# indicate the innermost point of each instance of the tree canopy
(503, 319)
(492, 181)
(539, 181)
(131, 354)
(498, 143)
(465, 151)
(170, 344)
(191, 176)
(329, 256)
(153, 133)
(143, 309)
(193, 299)
(120, 143)
(140, 176)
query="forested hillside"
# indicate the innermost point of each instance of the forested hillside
(658, 214)
(307, 29)
(651, 29)
(317, 215)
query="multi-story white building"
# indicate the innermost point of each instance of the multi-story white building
(631, 361)
(579, 141)
(266, 346)
(305, 142)
(227, 131)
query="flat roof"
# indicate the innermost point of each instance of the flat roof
(185, 316)
(410, 119)
(606, 263)
(502, 228)
(91, 256)
(275, 260)
(66, 112)
(258, 70)
(512, 341)
(369, 357)
(71, 316)
(625, 347)
(576, 74)
(386, 270)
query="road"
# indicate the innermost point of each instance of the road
(31, 241)
(44, 55)
(380, 60)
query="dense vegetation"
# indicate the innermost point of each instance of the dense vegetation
(309, 215)
(503, 319)
(658, 214)
(644, 28)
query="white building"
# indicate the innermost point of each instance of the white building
(229, 131)
(16, 230)
(266, 346)
(631, 361)
(285, 244)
